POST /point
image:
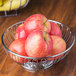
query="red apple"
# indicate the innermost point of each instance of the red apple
(38, 44)
(18, 46)
(55, 29)
(20, 32)
(59, 46)
(37, 22)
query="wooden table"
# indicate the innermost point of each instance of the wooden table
(63, 11)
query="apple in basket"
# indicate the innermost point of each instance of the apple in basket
(38, 44)
(37, 22)
(55, 29)
(18, 46)
(59, 45)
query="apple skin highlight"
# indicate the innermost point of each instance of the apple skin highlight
(20, 33)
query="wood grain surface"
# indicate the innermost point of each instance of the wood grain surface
(63, 11)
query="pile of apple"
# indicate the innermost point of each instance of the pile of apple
(38, 37)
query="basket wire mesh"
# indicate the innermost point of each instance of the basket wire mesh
(35, 64)
(14, 12)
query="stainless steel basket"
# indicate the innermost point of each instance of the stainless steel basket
(14, 11)
(33, 64)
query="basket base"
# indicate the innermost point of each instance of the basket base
(32, 66)
(8, 13)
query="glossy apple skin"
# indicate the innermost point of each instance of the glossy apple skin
(17, 46)
(20, 33)
(59, 46)
(36, 22)
(38, 44)
(55, 29)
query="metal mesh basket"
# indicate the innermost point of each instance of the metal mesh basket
(34, 64)
(7, 12)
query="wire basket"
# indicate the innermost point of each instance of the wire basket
(12, 7)
(34, 64)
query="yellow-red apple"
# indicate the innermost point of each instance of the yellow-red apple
(38, 44)
(59, 46)
(37, 22)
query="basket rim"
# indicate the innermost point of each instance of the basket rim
(39, 57)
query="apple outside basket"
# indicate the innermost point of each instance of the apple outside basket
(12, 12)
(34, 64)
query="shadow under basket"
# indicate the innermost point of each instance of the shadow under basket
(34, 64)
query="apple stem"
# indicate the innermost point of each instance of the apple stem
(45, 21)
